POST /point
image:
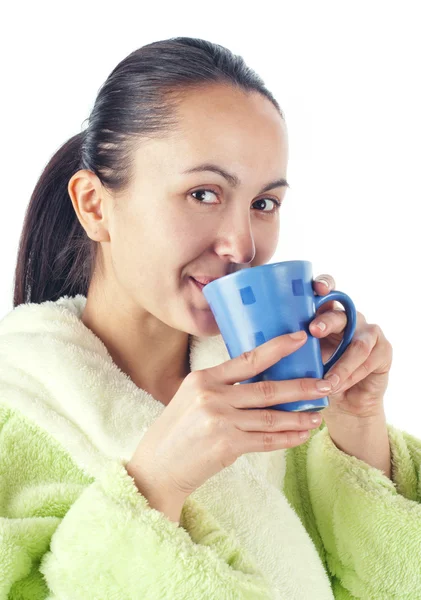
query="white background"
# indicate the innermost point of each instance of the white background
(347, 76)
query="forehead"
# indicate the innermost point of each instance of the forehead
(220, 124)
(229, 115)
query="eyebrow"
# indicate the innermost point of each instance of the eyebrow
(232, 179)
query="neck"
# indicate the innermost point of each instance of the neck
(154, 355)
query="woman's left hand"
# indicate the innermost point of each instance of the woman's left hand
(363, 368)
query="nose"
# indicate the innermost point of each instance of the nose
(238, 241)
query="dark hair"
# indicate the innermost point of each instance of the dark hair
(55, 256)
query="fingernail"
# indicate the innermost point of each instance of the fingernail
(316, 419)
(320, 325)
(326, 283)
(333, 378)
(298, 335)
(323, 385)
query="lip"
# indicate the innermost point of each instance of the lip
(197, 284)
(202, 279)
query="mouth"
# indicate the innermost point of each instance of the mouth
(199, 285)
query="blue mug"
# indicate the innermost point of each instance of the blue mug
(257, 304)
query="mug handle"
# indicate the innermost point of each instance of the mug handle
(351, 315)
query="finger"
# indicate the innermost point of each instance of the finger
(262, 441)
(255, 361)
(334, 321)
(354, 356)
(330, 305)
(382, 353)
(276, 420)
(323, 284)
(268, 393)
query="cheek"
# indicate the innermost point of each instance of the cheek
(137, 251)
(187, 233)
(266, 242)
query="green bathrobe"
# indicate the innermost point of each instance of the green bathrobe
(307, 523)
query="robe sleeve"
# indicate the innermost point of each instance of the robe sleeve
(66, 535)
(366, 528)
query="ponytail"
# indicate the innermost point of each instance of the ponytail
(55, 254)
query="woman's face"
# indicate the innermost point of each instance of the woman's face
(168, 228)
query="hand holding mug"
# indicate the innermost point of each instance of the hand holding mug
(205, 427)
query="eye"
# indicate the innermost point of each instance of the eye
(261, 200)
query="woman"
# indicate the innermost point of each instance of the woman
(129, 466)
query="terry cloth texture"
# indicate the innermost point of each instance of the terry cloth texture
(306, 523)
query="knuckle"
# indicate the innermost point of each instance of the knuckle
(267, 389)
(204, 394)
(289, 438)
(267, 440)
(196, 378)
(306, 385)
(203, 398)
(250, 358)
(214, 422)
(374, 328)
(362, 344)
(304, 421)
(269, 419)
(366, 367)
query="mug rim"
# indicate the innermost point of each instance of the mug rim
(266, 266)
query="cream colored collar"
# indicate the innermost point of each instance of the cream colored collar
(60, 374)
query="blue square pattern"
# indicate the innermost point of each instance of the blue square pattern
(303, 326)
(310, 374)
(297, 287)
(247, 295)
(258, 338)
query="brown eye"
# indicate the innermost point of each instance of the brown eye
(201, 192)
(276, 202)
(262, 200)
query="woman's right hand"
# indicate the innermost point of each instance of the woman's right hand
(205, 427)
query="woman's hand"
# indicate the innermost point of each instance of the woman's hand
(363, 369)
(206, 426)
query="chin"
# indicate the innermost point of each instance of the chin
(203, 324)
